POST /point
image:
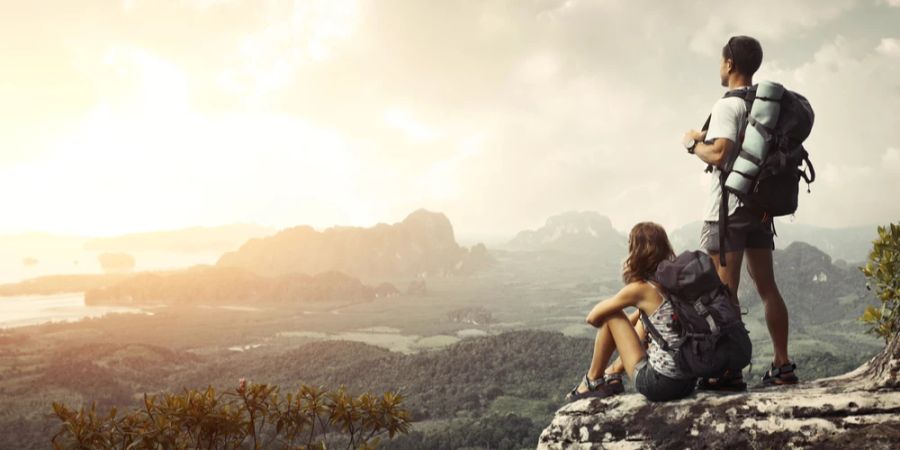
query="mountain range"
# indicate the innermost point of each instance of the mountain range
(815, 289)
(572, 232)
(422, 244)
(850, 244)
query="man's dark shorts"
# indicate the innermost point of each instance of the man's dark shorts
(745, 230)
(658, 387)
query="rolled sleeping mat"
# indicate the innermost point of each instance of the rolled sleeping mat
(745, 167)
(744, 170)
(754, 145)
(765, 111)
(740, 180)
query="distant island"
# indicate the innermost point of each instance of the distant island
(423, 244)
(116, 262)
(59, 284)
(233, 286)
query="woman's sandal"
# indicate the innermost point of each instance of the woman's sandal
(727, 382)
(613, 379)
(610, 384)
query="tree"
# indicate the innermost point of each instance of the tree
(251, 416)
(882, 271)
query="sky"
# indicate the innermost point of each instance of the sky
(139, 115)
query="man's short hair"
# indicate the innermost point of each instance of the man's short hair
(745, 53)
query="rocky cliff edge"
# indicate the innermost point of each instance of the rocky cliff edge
(858, 410)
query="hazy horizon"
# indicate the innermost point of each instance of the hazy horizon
(469, 236)
(136, 116)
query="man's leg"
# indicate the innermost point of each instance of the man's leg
(730, 274)
(759, 263)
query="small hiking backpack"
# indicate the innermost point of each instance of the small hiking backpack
(715, 338)
(765, 173)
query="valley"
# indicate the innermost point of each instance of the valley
(479, 356)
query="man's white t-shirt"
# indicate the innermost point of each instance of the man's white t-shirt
(726, 121)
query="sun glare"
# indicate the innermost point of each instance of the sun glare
(144, 159)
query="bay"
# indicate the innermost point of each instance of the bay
(25, 310)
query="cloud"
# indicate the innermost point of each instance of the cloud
(296, 33)
(771, 21)
(498, 113)
(889, 46)
(850, 86)
(890, 160)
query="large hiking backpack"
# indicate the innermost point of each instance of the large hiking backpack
(765, 173)
(715, 338)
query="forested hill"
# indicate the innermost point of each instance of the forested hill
(422, 244)
(495, 391)
(816, 290)
(476, 393)
(466, 376)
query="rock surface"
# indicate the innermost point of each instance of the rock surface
(850, 411)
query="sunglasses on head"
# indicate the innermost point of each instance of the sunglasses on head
(730, 51)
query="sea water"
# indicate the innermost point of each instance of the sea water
(24, 310)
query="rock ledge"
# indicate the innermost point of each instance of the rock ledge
(841, 412)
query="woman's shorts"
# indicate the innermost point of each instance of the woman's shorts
(658, 387)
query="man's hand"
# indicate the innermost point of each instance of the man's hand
(697, 136)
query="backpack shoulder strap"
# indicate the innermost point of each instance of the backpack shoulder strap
(654, 332)
(723, 217)
(749, 95)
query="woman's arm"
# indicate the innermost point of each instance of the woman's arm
(630, 295)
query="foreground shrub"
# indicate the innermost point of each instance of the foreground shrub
(882, 272)
(253, 416)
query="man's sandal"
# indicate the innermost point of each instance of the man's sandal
(778, 376)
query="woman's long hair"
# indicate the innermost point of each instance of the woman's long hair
(648, 245)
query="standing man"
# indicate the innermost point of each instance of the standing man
(749, 236)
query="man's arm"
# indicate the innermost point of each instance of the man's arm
(715, 153)
(715, 144)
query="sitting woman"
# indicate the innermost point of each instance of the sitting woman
(653, 370)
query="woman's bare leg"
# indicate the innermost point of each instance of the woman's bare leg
(614, 330)
(603, 350)
(626, 340)
(617, 366)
